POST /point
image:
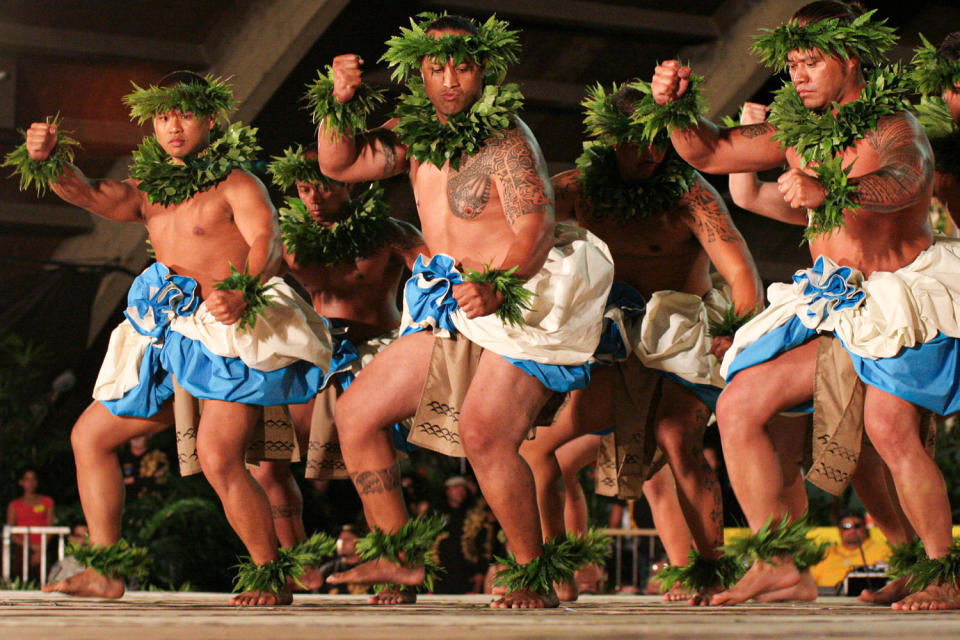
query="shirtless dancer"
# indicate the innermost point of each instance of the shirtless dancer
(871, 481)
(357, 292)
(495, 208)
(665, 255)
(196, 240)
(887, 239)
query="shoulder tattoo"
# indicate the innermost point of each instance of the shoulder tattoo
(510, 159)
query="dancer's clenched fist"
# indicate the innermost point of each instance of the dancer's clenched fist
(800, 190)
(670, 81)
(347, 76)
(41, 139)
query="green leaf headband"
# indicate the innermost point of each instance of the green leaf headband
(291, 168)
(650, 123)
(604, 120)
(212, 100)
(862, 38)
(495, 45)
(932, 74)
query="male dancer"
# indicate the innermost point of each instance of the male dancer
(215, 349)
(671, 226)
(871, 479)
(484, 198)
(890, 263)
(349, 257)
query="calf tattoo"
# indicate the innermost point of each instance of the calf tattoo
(285, 511)
(378, 481)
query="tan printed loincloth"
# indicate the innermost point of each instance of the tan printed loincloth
(838, 409)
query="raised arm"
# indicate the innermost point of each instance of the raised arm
(353, 157)
(708, 218)
(708, 148)
(112, 199)
(750, 193)
(905, 173)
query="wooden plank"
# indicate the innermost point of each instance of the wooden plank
(21, 38)
(593, 15)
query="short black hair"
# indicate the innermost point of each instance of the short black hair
(626, 99)
(827, 9)
(453, 23)
(949, 49)
(182, 77)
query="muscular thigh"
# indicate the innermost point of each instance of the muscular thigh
(502, 400)
(226, 426)
(892, 423)
(778, 384)
(97, 424)
(578, 453)
(388, 389)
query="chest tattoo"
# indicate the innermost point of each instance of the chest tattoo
(469, 190)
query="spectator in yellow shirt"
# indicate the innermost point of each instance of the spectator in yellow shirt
(855, 549)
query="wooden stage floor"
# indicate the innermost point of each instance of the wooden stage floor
(189, 616)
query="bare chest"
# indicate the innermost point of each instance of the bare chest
(347, 277)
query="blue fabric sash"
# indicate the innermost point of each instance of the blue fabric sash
(153, 296)
(435, 304)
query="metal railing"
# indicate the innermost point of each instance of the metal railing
(634, 536)
(11, 530)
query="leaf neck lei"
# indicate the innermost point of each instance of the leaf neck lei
(359, 235)
(166, 183)
(464, 134)
(612, 197)
(818, 138)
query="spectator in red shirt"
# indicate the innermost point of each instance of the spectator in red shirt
(32, 510)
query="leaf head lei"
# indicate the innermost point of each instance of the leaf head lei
(612, 197)
(649, 123)
(358, 235)
(494, 45)
(863, 38)
(213, 99)
(292, 167)
(932, 73)
(167, 183)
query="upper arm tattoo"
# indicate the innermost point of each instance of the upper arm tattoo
(711, 221)
(385, 142)
(905, 168)
(755, 130)
(510, 159)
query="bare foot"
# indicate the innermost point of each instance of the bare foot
(380, 571)
(394, 596)
(525, 599)
(589, 579)
(703, 597)
(805, 591)
(676, 594)
(891, 592)
(936, 597)
(261, 599)
(87, 584)
(566, 591)
(310, 579)
(763, 577)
